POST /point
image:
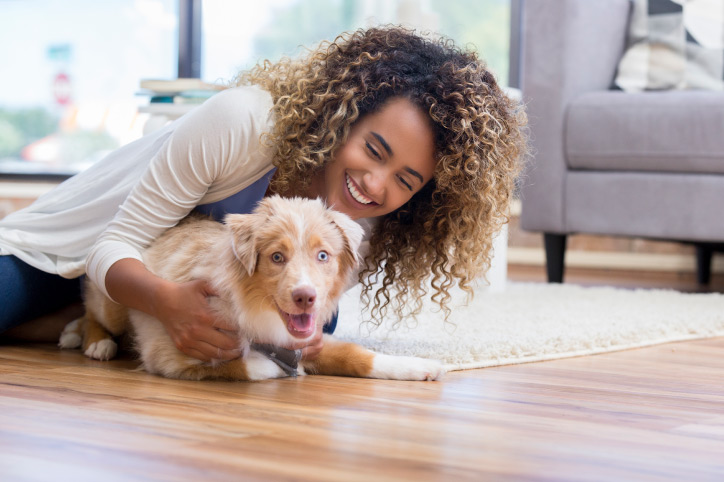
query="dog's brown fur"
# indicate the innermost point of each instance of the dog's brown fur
(241, 260)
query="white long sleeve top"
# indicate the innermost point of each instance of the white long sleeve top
(117, 207)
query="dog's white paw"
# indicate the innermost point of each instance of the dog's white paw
(102, 350)
(70, 338)
(259, 367)
(406, 368)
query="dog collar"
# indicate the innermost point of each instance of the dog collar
(288, 360)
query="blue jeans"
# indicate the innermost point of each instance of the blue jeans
(27, 293)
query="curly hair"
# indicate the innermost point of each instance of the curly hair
(444, 233)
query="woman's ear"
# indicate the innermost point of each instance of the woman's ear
(243, 239)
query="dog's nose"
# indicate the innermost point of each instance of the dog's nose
(304, 297)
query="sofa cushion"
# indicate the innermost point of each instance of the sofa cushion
(674, 45)
(650, 205)
(674, 131)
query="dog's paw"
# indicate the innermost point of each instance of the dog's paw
(102, 350)
(406, 368)
(259, 367)
(70, 337)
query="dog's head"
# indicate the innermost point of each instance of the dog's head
(297, 256)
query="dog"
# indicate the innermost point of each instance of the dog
(279, 273)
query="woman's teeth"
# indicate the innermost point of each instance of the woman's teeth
(356, 195)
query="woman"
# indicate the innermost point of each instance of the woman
(384, 125)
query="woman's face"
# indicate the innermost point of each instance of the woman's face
(388, 157)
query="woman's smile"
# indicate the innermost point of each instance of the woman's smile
(354, 191)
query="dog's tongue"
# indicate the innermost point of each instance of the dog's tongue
(301, 322)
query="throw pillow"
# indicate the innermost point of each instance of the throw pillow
(674, 44)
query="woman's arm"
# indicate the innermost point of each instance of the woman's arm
(181, 307)
(216, 143)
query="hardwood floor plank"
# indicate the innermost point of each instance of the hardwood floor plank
(653, 413)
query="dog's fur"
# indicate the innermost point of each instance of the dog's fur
(274, 300)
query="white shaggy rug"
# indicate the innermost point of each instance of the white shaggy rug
(529, 322)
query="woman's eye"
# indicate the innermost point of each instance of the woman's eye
(277, 257)
(323, 256)
(402, 180)
(373, 150)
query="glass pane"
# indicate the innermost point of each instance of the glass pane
(236, 35)
(71, 72)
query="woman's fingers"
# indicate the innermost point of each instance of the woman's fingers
(310, 348)
(192, 352)
(211, 342)
(207, 352)
(311, 352)
(219, 323)
(224, 326)
(196, 329)
(224, 340)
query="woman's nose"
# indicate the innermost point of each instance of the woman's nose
(375, 182)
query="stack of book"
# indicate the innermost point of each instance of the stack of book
(178, 91)
(170, 99)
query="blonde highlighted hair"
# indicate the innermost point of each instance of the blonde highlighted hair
(443, 235)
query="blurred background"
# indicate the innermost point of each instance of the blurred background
(70, 89)
(71, 92)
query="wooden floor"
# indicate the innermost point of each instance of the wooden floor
(646, 414)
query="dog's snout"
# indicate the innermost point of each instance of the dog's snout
(304, 297)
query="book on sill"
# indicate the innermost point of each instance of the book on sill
(173, 86)
(185, 97)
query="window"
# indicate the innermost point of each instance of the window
(71, 76)
(236, 35)
(72, 69)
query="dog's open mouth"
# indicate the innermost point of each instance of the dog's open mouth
(300, 325)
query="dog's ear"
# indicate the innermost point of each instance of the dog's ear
(352, 233)
(243, 239)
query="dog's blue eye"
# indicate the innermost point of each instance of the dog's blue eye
(322, 256)
(277, 257)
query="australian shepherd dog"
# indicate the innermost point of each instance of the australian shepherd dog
(279, 273)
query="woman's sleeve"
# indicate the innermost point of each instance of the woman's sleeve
(207, 144)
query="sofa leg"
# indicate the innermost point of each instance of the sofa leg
(555, 245)
(704, 254)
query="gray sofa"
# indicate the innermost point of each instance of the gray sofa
(606, 162)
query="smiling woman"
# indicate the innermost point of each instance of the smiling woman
(410, 132)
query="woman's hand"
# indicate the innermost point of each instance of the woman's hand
(310, 348)
(194, 327)
(182, 308)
